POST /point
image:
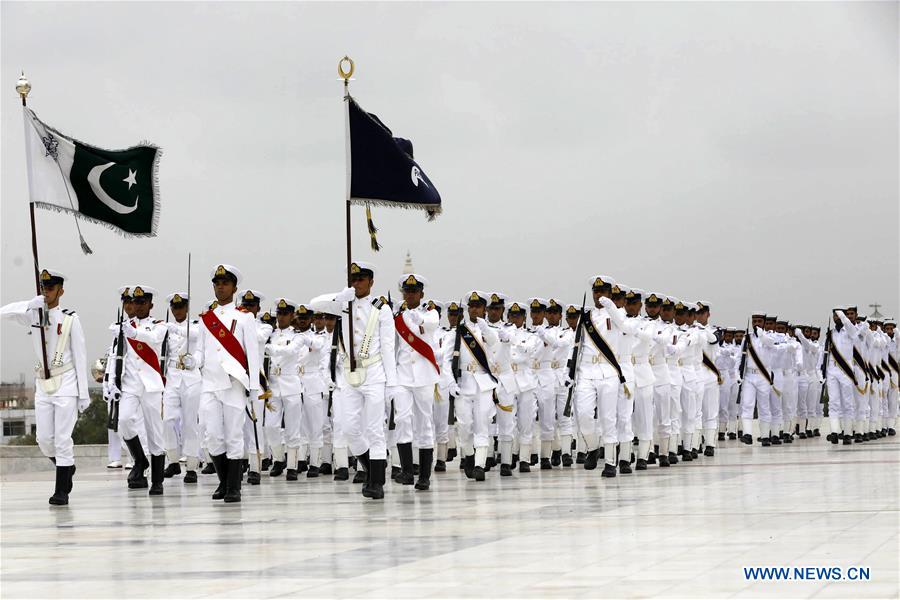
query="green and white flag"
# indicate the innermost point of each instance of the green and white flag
(116, 188)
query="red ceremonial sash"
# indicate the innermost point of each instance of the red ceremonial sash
(225, 337)
(147, 355)
(417, 343)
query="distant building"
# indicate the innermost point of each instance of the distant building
(16, 410)
(407, 265)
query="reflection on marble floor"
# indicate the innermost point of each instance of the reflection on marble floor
(682, 532)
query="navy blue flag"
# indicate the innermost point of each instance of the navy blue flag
(382, 169)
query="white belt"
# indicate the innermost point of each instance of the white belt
(54, 372)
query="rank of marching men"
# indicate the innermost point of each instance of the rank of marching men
(623, 380)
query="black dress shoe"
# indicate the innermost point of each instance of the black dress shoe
(545, 464)
(673, 458)
(524, 467)
(775, 441)
(172, 469)
(302, 466)
(208, 469)
(641, 465)
(505, 470)
(816, 432)
(608, 470)
(766, 442)
(740, 433)
(534, 459)
(395, 472)
(290, 475)
(651, 458)
(405, 478)
(590, 459)
(277, 469)
(567, 460)
(802, 435)
(663, 461)
(686, 456)
(313, 472)
(857, 437)
(451, 454)
(788, 439)
(341, 474)
(721, 436)
(809, 433)
(360, 477)
(694, 454)
(732, 436)
(556, 458)
(253, 478)
(489, 463)
(624, 467)
(579, 458)
(848, 440)
(710, 451)
(478, 474)
(325, 469)
(892, 431)
(190, 477)
(266, 464)
(440, 466)
(833, 438)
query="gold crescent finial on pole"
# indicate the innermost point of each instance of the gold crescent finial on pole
(346, 75)
(23, 87)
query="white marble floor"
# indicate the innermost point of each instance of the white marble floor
(683, 532)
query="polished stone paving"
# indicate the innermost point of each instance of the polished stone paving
(683, 532)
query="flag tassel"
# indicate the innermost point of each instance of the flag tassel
(372, 229)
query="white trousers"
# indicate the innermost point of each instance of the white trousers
(222, 414)
(149, 405)
(662, 410)
(364, 424)
(756, 393)
(602, 396)
(563, 423)
(55, 418)
(675, 408)
(441, 416)
(290, 411)
(546, 410)
(312, 428)
(709, 405)
(506, 421)
(403, 411)
(643, 413)
(689, 402)
(182, 404)
(789, 396)
(526, 410)
(473, 418)
(420, 401)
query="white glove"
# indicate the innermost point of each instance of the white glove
(453, 389)
(36, 303)
(83, 404)
(503, 335)
(270, 349)
(797, 332)
(105, 387)
(128, 329)
(414, 317)
(113, 392)
(188, 362)
(331, 386)
(392, 391)
(569, 382)
(606, 302)
(345, 295)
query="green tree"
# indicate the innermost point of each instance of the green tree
(91, 425)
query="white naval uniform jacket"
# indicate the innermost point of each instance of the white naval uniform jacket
(286, 348)
(680, 343)
(523, 348)
(382, 345)
(217, 366)
(473, 378)
(138, 377)
(709, 345)
(592, 364)
(542, 362)
(445, 346)
(75, 381)
(177, 346)
(558, 341)
(499, 357)
(662, 332)
(314, 380)
(810, 353)
(645, 339)
(413, 369)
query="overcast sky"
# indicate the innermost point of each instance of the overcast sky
(745, 154)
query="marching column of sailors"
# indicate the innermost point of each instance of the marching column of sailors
(351, 380)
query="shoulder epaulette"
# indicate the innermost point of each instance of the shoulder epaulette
(447, 328)
(377, 303)
(157, 321)
(68, 311)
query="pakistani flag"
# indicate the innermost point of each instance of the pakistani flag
(116, 188)
(382, 169)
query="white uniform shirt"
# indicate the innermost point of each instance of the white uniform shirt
(413, 369)
(286, 348)
(217, 366)
(138, 377)
(177, 345)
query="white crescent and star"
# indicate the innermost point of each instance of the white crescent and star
(93, 179)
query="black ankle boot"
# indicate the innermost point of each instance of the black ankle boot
(209, 468)
(221, 463)
(406, 476)
(556, 458)
(624, 467)
(505, 470)
(172, 469)
(277, 468)
(469, 466)
(545, 464)
(233, 482)
(710, 451)
(663, 461)
(440, 466)
(365, 463)
(721, 436)
(341, 474)
(590, 459)
(136, 479)
(580, 458)
(375, 488)
(157, 474)
(60, 495)
(608, 470)
(567, 460)
(425, 457)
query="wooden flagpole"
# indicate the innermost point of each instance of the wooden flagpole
(23, 87)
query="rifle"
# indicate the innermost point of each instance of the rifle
(825, 366)
(332, 361)
(743, 365)
(573, 360)
(455, 370)
(164, 352)
(113, 421)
